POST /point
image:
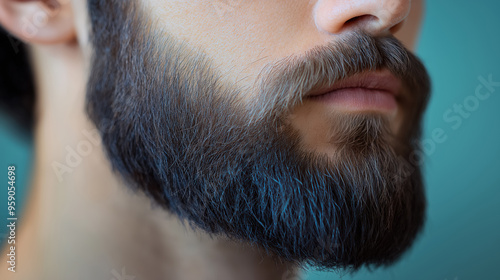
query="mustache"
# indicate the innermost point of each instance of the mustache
(283, 84)
(177, 135)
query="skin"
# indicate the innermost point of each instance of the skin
(250, 34)
(89, 217)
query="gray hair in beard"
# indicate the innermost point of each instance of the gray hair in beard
(174, 130)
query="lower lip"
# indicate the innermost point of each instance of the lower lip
(359, 99)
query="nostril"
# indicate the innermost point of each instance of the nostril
(359, 21)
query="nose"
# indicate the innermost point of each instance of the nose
(376, 17)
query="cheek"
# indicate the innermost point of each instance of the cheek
(409, 31)
(240, 36)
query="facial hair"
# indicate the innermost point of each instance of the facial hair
(174, 130)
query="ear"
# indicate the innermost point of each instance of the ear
(38, 21)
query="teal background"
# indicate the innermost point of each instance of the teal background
(460, 41)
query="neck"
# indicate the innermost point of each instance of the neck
(82, 218)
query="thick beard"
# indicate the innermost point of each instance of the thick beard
(175, 131)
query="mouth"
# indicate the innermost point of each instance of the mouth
(368, 91)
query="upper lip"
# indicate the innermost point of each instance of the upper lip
(382, 80)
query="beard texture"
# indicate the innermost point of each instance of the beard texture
(175, 131)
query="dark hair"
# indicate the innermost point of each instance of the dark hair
(174, 130)
(17, 92)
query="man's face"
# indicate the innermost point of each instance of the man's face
(282, 124)
(242, 37)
